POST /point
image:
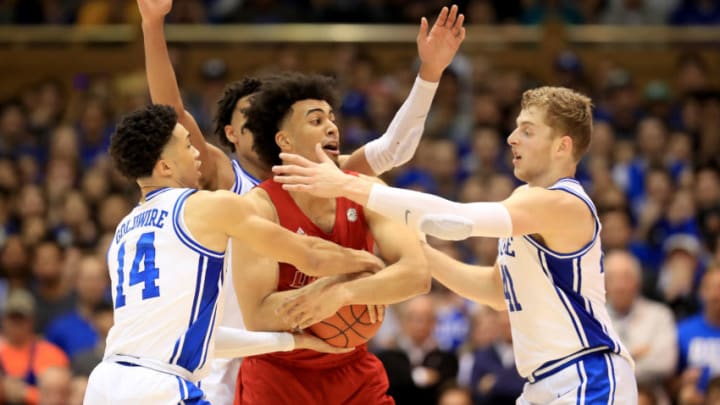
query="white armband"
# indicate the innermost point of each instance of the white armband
(398, 144)
(439, 217)
(231, 342)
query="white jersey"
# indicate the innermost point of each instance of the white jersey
(556, 301)
(166, 287)
(219, 386)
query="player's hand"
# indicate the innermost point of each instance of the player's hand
(376, 313)
(306, 341)
(438, 47)
(311, 304)
(154, 10)
(321, 179)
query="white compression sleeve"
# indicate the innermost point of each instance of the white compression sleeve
(398, 144)
(440, 217)
(231, 342)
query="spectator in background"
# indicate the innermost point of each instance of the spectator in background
(680, 274)
(453, 394)
(699, 336)
(416, 367)
(54, 386)
(102, 320)
(646, 328)
(52, 294)
(24, 357)
(73, 331)
(495, 379)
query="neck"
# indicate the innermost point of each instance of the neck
(311, 204)
(254, 168)
(552, 176)
(149, 185)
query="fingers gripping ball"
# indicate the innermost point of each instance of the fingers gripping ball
(349, 327)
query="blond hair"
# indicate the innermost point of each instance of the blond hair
(566, 111)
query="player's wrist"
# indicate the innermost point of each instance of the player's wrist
(430, 73)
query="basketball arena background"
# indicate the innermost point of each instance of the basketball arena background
(69, 69)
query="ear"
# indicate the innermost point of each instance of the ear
(282, 139)
(163, 168)
(230, 134)
(566, 145)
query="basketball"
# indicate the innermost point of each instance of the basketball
(349, 327)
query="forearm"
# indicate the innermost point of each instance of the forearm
(327, 259)
(660, 360)
(477, 283)
(232, 343)
(395, 283)
(159, 70)
(263, 316)
(398, 144)
(412, 207)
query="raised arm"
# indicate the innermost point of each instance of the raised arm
(164, 89)
(397, 145)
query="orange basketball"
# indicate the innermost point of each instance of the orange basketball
(349, 327)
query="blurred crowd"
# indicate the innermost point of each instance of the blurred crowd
(676, 12)
(652, 170)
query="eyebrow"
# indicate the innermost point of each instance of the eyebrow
(313, 110)
(521, 123)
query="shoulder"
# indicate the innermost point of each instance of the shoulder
(224, 177)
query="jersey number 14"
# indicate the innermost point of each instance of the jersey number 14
(145, 256)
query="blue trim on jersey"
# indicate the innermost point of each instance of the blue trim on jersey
(152, 194)
(591, 332)
(186, 239)
(193, 310)
(254, 180)
(182, 388)
(596, 230)
(236, 172)
(196, 338)
(597, 376)
(580, 395)
(240, 172)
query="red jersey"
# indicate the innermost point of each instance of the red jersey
(350, 229)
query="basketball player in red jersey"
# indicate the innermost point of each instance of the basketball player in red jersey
(293, 113)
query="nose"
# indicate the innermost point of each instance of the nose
(195, 152)
(511, 139)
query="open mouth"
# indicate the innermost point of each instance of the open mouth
(332, 148)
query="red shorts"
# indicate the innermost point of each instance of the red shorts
(360, 382)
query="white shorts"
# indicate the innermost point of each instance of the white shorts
(598, 378)
(116, 384)
(219, 386)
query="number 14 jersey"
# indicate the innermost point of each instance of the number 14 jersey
(166, 287)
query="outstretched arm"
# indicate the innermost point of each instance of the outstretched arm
(397, 145)
(164, 88)
(529, 210)
(231, 343)
(481, 284)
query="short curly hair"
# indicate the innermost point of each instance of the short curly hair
(226, 105)
(274, 103)
(139, 139)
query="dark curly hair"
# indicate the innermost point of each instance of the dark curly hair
(226, 105)
(273, 104)
(139, 139)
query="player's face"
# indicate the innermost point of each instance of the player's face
(532, 143)
(182, 158)
(311, 122)
(240, 136)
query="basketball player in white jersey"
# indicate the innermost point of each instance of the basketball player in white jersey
(167, 271)
(548, 274)
(436, 50)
